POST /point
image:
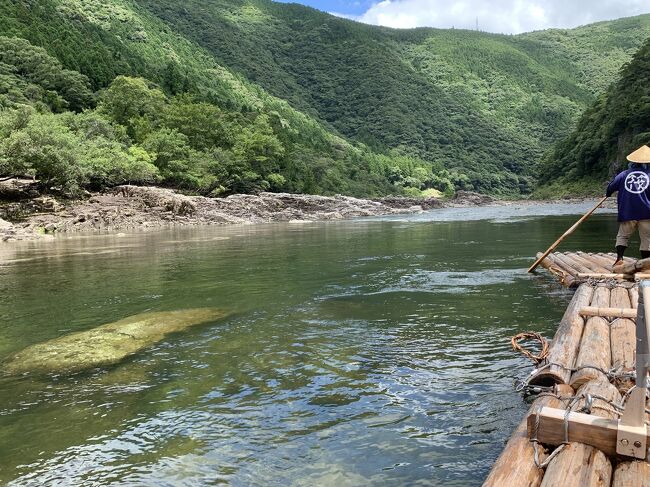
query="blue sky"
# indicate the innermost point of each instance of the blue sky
(501, 16)
(340, 6)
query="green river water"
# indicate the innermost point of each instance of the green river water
(364, 352)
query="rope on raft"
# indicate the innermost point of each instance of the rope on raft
(530, 335)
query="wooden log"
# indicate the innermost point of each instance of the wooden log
(589, 262)
(574, 261)
(633, 267)
(566, 278)
(566, 234)
(604, 275)
(634, 296)
(564, 349)
(579, 464)
(640, 276)
(563, 262)
(594, 349)
(605, 389)
(516, 467)
(605, 261)
(622, 331)
(632, 474)
(610, 312)
(612, 256)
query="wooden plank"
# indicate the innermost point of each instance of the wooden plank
(595, 347)
(623, 331)
(611, 312)
(578, 463)
(564, 349)
(583, 428)
(516, 467)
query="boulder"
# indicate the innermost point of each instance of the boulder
(175, 203)
(45, 204)
(472, 199)
(107, 344)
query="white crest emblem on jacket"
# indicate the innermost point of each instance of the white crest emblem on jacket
(637, 182)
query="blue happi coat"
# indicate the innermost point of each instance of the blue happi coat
(633, 186)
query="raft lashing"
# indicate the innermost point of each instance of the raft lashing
(587, 378)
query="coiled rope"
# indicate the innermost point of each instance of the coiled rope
(530, 335)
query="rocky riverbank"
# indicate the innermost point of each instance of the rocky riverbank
(131, 207)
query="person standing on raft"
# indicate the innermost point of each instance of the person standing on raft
(633, 186)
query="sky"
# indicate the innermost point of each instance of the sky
(499, 16)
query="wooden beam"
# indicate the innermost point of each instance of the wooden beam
(609, 312)
(583, 428)
(603, 275)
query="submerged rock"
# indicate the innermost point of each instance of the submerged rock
(107, 344)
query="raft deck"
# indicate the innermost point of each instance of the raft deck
(575, 268)
(589, 367)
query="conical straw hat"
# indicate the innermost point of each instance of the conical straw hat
(641, 155)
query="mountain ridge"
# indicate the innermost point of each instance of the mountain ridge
(280, 54)
(359, 109)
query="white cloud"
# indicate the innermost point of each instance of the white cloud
(502, 16)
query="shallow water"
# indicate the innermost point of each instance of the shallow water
(361, 352)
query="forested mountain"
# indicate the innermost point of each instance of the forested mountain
(242, 95)
(160, 109)
(617, 123)
(487, 104)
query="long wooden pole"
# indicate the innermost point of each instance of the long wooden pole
(566, 234)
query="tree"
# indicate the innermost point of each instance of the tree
(257, 146)
(46, 148)
(130, 101)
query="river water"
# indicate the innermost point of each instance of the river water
(365, 352)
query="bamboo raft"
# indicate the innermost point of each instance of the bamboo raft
(590, 368)
(575, 268)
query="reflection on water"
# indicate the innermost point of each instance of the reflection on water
(362, 352)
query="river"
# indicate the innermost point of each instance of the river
(363, 352)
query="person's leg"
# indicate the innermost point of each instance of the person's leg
(625, 229)
(644, 235)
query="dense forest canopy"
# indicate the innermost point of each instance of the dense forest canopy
(216, 97)
(617, 123)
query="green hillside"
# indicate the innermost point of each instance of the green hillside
(617, 123)
(238, 95)
(200, 126)
(487, 104)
